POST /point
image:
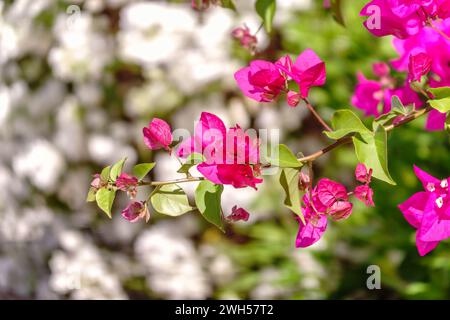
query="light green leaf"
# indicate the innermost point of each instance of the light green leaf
(266, 10)
(289, 179)
(228, 4)
(396, 103)
(116, 169)
(91, 195)
(192, 160)
(286, 158)
(207, 199)
(398, 109)
(104, 175)
(142, 169)
(171, 200)
(336, 8)
(371, 149)
(440, 93)
(345, 122)
(441, 105)
(105, 199)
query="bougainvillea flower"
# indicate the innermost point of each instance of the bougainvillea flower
(307, 71)
(261, 81)
(429, 211)
(157, 135)
(312, 231)
(238, 214)
(419, 65)
(365, 194)
(127, 183)
(403, 18)
(327, 198)
(383, 21)
(362, 174)
(438, 48)
(136, 210)
(246, 39)
(374, 96)
(97, 182)
(231, 156)
(330, 197)
(293, 98)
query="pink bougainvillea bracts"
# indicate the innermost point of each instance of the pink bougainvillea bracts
(238, 214)
(245, 38)
(364, 192)
(127, 183)
(428, 211)
(419, 65)
(432, 43)
(231, 156)
(136, 210)
(264, 81)
(374, 96)
(327, 199)
(402, 18)
(157, 135)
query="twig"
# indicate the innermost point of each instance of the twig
(316, 115)
(348, 139)
(162, 183)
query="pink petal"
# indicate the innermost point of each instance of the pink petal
(328, 192)
(419, 65)
(311, 232)
(436, 121)
(425, 178)
(413, 208)
(365, 194)
(158, 134)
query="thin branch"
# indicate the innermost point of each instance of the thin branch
(348, 139)
(162, 183)
(316, 115)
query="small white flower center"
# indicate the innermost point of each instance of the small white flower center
(444, 183)
(439, 202)
(430, 187)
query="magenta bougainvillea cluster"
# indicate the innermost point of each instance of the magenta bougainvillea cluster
(231, 156)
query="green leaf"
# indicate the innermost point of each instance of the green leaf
(266, 10)
(228, 4)
(289, 179)
(447, 123)
(192, 160)
(441, 105)
(336, 9)
(397, 104)
(440, 93)
(91, 195)
(116, 169)
(104, 175)
(398, 109)
(207, 199)
(371, 149)
(441, 101)
(105, 199)
(345, 122)
(171, 200)
(286, 158)
(142, 169)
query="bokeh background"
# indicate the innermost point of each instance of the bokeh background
(76, 88)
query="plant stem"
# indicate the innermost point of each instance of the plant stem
(348, 139)
(316, 115)
(162, 183)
